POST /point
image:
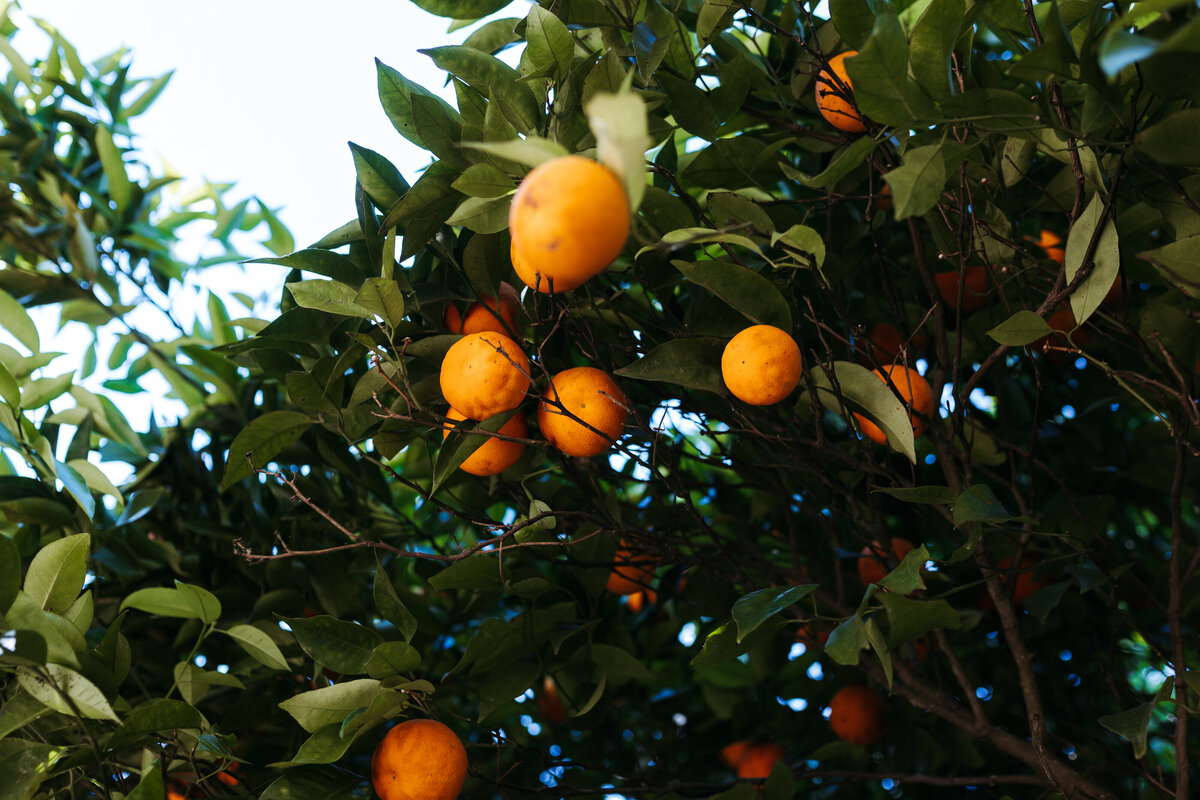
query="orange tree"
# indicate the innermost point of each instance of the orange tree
(611, 624)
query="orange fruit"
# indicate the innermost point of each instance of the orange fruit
(550, 707)
(835, 106)
(419, 759)
(632, 573)
(495, 455)
(569, 220)
(484, 374)
(758, 760)
(487, 314)
(872, 566)
(1052, 244)
(916, 393)
(731, 754)
(887, 341)
(592, 396)
(974, 291)
(883, 199)
(640, 600)
(1022, 586)
(856, 714)
(761, 365)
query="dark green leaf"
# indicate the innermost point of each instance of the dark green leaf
(930, 495)
(479, 572)
(550, 46)
(847, 640)
(495, 80)
(879, 74)
(331, 705)
(484, 180)
(909, 619)
(57, 572)
(932, 43)
(756, 608)
(1046, 599)
(619, 664)
(342, 646)
(691, 363)
(906, 578)
(841, 165)
(322, 262)
(1107, 258)
(1132, 725)
(461, 9)
(500, 686)
(1179, 263)
(396, 93)
(918, 183)
(379, 178)
(323, 782)
(389, 605)
(1022, 328)
(26, 765)
(979, 504)
(743, 289)
(258, 645)
(260, 441)
(383, 298)
(392, 658)
(10, 573)
(853, 20)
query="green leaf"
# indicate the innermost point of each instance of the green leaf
(378, 177)
(1044, 600)
(17, 712)
(258, 645)
(692, 363)
(323, 747)
(1132, 725)
(879, 645)
(10, 574)
(395, 95)
(619, 664)
(160, 715)
(424, 208)
(389, 605)
(459, 445)
(1179, 263)
(57, 572)
(847, 640)
(721, 644)
(853, 20)
(342, 646)
(52, 682)
(1088, 295)
(482, 214)
(26, 765)
(756, 608)
(15, 320)
(329, 296)
(1022, 328)
(979, 504)
(484, 180)
(479, 572)
(331, 705)
(500, 686)
(862, 386)
(324, 782)
(495, 80)
(150, 787)
(743, 289)
(619, 124)
(917, 184)
(331, 265)
(113, 163)
(10, 391)
(932, 44)
(392, 658)
(261, 441)
(549, 43)
(529, 151)
(909, 619)
(841, 165)
(1172, 141)
(803, 241)
(879, 74)
(461, 9)
(382, 297)
(41, 391)
(184, 601)
(906, 577)
(929, 495)
(76, 486)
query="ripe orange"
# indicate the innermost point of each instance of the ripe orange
(550, 707)
(872, 567)
(419, 759)
(758, 759)
(914, 390)
(731, 754)
(495, 455)
(484, 374)
(1022, 586)
(569, 220)
(856, 714)
(633, 571)
(834, 105)
(883, 198)
(886, 342)
(761, 365)
(482, 316)
(974, 290)
(592, 396)
(640, 600)
(1052, 244)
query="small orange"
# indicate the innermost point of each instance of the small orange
(569, 220)
(1052, 244)
(872, 566)
(914, 390)
(856, 714)
(758, 760)
(591, 395)
(640, 600)
(495, 455)
(633, 571)
(761, 365)
(485, 315)
(550, 707)
(833, 103)
(975, 288)
(731, 754)
(419, 759)
(887, 341)
(484, 374)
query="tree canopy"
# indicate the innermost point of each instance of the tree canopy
(1009, 576)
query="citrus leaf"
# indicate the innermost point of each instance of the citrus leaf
(692, 363)
(258, 645)
(860, 385)
(56, 574)
(342, 646)
(261, 441)
(756, 608)
(1107, 257)
(743, 289)
(330, 705)
(1022, 328)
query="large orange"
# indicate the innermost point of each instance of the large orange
(484, 374)
(591, 395)
(569, 220)
(975, 287)
(632, 573)
(758, 759)
(495, 455)
(856, 714)
(761, 365)
(916, 393)
(486, 314)
(420, 759)
(833, 103)
(872, 566)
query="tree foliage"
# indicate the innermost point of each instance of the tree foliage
(300, 560)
